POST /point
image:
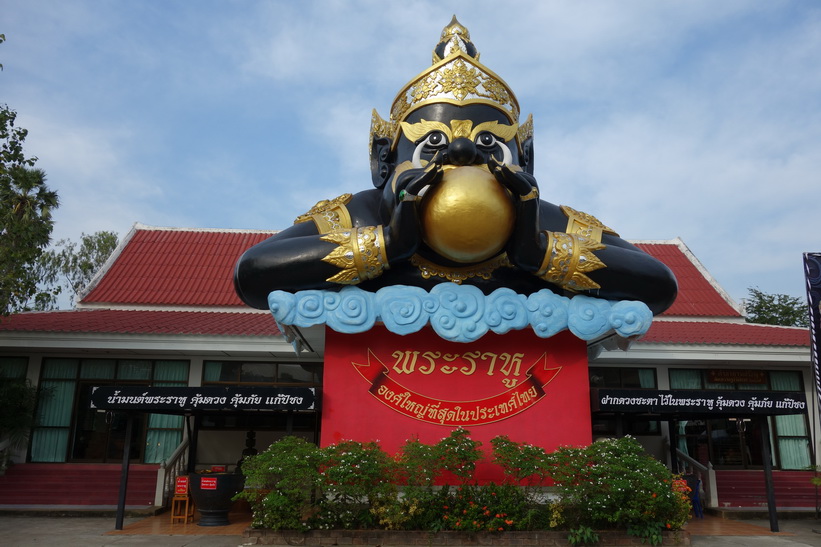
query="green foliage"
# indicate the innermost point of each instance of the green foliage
(613, 483)
(582, 535)
(458, 454)
(70, 266)
(491, 508)
(18, 398)
(26, 205)
(280, 483)
(522, 462)
(776, 309)
(355, 478)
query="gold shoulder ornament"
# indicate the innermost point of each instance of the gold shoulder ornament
(329, 214)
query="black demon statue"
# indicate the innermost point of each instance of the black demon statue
(455, 201)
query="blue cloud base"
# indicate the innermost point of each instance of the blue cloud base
(459, 313)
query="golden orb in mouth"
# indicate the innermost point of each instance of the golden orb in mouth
(468, 216)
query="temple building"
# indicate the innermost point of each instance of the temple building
(163, 313)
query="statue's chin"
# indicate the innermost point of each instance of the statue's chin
(468, 216)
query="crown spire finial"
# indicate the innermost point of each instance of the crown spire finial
(455, 37)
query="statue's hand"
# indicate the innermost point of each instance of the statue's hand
(526, 246)
(403, 235)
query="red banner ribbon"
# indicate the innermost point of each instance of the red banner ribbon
(456, 413)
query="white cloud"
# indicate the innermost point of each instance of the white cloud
(693, 119)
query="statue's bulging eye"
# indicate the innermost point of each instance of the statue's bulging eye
(435, 139)
(487, 140)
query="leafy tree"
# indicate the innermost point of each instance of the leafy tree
(26, 205)
(18, 398)
(776, 309)
(70, 266)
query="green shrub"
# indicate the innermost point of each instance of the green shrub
(354, 478)
(610, 484)
(280, 484)
(613, 483)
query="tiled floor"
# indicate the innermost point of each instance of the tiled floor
(161, 525)
(717, 526)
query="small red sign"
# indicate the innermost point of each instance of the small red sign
(218, 469)
(208, 483)
(181, 486)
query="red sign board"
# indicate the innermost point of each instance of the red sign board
(380, 386)
(208, 483)
(218, 468)
(181, 486)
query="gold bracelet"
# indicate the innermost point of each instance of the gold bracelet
(567, 260)
(360, 254)
(533, 194)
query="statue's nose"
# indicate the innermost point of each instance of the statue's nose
(461, 151)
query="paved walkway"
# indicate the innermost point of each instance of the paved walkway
(159, 532)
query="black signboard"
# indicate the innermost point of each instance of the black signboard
(686, 402)
(185, 400)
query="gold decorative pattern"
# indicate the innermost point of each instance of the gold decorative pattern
(568, 259)
(458, 128)
(380, 129)
(458, 79)
(457, 275)
(526, 129)
(360, 254)
(329, 214)
(585, 225)
(454, 36)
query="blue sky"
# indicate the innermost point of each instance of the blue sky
(698, 119)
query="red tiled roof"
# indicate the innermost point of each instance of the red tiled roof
(697, 295)
(180, 267)
(143, 322)
(175, 268)
(725, 333)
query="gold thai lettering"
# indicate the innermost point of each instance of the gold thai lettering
(507, 365)
(458, 413)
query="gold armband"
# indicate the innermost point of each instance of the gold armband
(329, 214)
(360, 254)
(568, 259)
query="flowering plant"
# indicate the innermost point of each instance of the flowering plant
(613, 483)
(609, 484)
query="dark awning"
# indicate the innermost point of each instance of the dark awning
(208, 399)
(697, 403)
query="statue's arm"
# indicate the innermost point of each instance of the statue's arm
(290, 260)
(575, 252)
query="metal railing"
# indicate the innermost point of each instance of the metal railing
(175, 465)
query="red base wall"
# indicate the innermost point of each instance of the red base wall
(379, 386)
